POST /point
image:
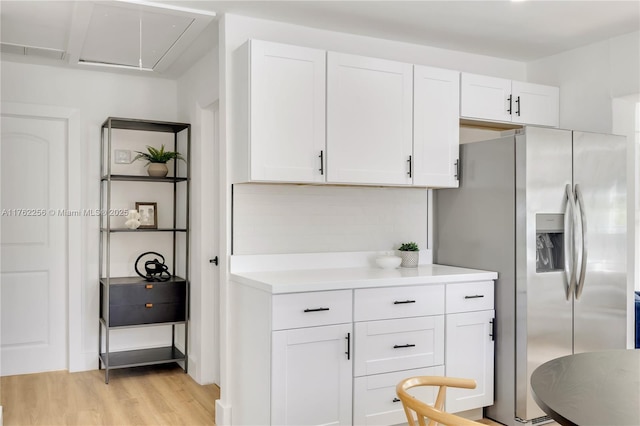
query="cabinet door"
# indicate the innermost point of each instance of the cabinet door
(535, 104)
(436, 128)
(369, 116)
(312, 376)
(287, 118)
(485, 98)
(469, 354)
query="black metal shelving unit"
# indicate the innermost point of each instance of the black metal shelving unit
(131, 301)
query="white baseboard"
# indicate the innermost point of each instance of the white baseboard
(223, 414)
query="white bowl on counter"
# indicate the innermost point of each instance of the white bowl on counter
(388, 262)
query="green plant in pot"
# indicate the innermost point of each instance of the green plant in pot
(409, 252)
(157, 160)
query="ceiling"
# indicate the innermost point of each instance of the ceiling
(138, 34)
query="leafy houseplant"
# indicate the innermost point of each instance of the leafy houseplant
(157, 159)
(409, 252)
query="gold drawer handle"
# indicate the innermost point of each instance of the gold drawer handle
(148, 305)
(148, 286)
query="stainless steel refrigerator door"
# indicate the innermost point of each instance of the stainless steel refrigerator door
(600, 310)
(543, 313)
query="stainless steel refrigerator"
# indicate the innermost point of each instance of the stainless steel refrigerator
(546, 209)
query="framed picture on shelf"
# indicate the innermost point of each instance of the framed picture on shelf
(148, 215)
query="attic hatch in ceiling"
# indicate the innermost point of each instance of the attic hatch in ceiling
(122, 37)
(133, 34)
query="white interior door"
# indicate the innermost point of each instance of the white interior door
(33, 244)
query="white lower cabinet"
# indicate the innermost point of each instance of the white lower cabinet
(470, 348)
(376, 403)
(311, 376)
(470, 344)
(335, 357)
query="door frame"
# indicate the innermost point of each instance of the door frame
(73, 179)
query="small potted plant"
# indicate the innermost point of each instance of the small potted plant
(157, 160)
(409, 252)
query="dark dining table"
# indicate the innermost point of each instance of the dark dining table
(592, 388)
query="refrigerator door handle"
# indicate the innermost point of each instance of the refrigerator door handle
(570, 261)
(583, 232)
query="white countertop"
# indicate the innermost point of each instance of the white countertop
(293, 281)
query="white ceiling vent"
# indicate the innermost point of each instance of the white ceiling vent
(41, 52)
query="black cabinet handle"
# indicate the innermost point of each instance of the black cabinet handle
(510, 98)
(409, 345)
(316, 310)
(457, 173)
(395, 400)
(518, 102)
(492, 333)
(475, 296)
(403, 302)
(321, 156)
(348, 352)
(410, 164)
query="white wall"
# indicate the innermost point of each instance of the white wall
(96, 96)
(589, 78)
(271, 219)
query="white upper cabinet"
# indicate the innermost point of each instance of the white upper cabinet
(485, 97)
(536, 104)
(369, 120)
(497, 99)
(286, 113)
(436, 128)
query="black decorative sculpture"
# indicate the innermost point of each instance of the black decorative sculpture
(155, 270)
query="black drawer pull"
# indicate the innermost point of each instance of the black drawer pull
(403, 302)
(409, 345)
(395, 400)
(316, 310)
(475, 296)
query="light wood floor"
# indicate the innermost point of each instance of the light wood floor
(159, 395)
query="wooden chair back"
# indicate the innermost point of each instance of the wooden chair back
(434, 414)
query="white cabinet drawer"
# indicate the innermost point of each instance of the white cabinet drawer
(376, 403)
(469, 297)
(311, 309)
(398, 302)
(400, 344)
